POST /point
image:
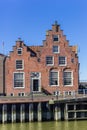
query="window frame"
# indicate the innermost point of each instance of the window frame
(19, 51)
(23, 80)
(62, 61)
(21, 65)
(58, 48)
(55, 37)
(50, 78)
(21, 94)
(11, 94)
(70, 78)
(52, 61)
(35, 76)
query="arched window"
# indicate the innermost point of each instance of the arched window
(54, 78)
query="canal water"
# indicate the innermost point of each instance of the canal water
(59, 125)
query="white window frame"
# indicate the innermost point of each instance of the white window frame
(68, 93)
(38, 78)
(57, 48)
(57, 93)
(23, 81)
(65, 61)
(52, 61)
(21, 94)
(57, 78)
(54, 37)
(20, 51)
(71, 78)
(22, 64)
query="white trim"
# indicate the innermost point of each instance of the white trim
(52, 60)
(22, 64)
(71, 78)
(57, 78)
(38, 78)
(21, 94)
(58, 49)
(57, 93)
(20, 49)
(23, 81)
(65, 61)
(53, 38)
(67, 93)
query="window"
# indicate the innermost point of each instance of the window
(19, 64)
(68, 78)
(62, 60)
(68, 93)
(72, 60)
(19, 50)
(55, 38)
(35, 81)
(49, 60)
(21, 94)
(56, 93)
(19, 80)
(55, 49)
(53, 78)
(12, 94)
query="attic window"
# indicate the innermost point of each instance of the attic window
(19, 51)
(55, 38)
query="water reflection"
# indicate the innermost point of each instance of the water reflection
(65, 125)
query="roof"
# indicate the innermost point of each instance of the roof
(36, 48)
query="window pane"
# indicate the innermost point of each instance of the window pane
(49, 60)
(62, 60)
(67, 78)
(55, 38)
(18, 80)
(19, 64)
(55, 49)
(19, 51)
(53, 78)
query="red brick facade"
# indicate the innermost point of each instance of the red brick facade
(51, 67)
(2, 76)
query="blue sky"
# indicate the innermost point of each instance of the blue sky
(29, 19)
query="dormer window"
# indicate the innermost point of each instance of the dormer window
(55, 38)
(19, 51)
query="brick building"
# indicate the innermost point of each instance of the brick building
(52, 67)
(2, 74)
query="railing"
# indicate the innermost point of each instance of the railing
(43, 98)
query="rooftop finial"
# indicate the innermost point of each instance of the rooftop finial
(56, 23)
(19, 39)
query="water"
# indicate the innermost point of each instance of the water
(65, 125)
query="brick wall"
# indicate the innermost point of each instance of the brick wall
(2, 76)
(34, 58)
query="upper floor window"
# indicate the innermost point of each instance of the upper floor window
(68, 78)
(19, 64)
(49, 60)
(19, 80)
(55, 38)
(53, 78)
(62, 60)
(19, 51)
(55, 49)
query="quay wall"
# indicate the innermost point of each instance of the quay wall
(24, 109)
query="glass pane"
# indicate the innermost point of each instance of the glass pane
(53, 78)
